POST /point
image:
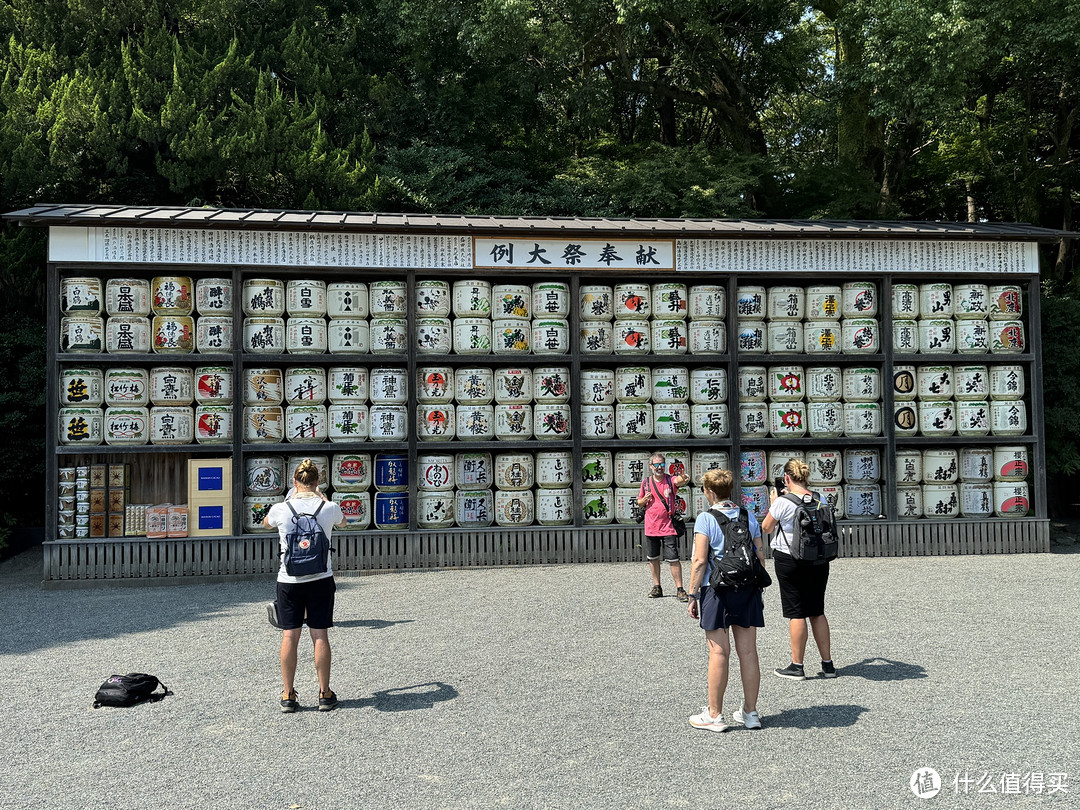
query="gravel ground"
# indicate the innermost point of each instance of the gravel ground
(555, 687)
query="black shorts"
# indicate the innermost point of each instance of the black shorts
(721, 608)
(802, 586)
(670, 546)
(314, 599)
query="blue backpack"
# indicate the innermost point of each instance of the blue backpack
(307, 548)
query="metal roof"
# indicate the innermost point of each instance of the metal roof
(260, 219)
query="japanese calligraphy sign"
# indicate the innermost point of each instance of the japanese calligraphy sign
(575, 254)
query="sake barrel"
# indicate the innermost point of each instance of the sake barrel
(263, 298)
(433, 336)
(387, 299)
(388, 336)
(972, 418)
(511, 336)
(671, 420)
(972, 337)
(388, 423)
(433, 298)
(306, 424)
(708, 337)
(909, 502)
(1006, 302)
(350, 336)
(474, 386)
(905, 337)
(472, 335)
(976, 500)
(391, 472)
(214, 334)
(256, 508)
(862, 501)
(826, 467)
(348, 422)
(1011, 463)
(751, 303)
(305, 336)
(264, 335)
(937, 417)
(1007, 337)
(860, 336)
(634, 420)
(822, 337)
(554, 469)
(596, 469)
(753, 384)
(126, 334)
(392, 510)
(669, 300)
(305, 385)
(476, 422)
(83, 387)
(862, 384)
(971, 383)
(862, 465)
(320, 462)
(350, 472)
(753, 467)
(752, 337)
(937, 336)
(630, 467)
(172, 385)
(305, 298)
(708, 301)
(263, 386)
(435, 423)
(596, 337)
(632, 336)
(935, 382)
(596, 303)
(434, 385)
(172, 295)
(555, 507)
(551, 385)
(551, 299)
(389, 386)
(81, 296)
(708, 386)
(904, 383)
(940, 466)
(971, 301)
(670, 384)
(935, 300)
(357, 510)
(1008, 418)
(474, 470)
(701, 461)
(834, 497)
(550, 336)
(678, 462)
(786, 303)
(348, 299)
(435, 473)
(905, 301)
(1007, 382)
(347, 385)
(514, 508)
(264, 423)
(786, 383)
(825, 420)
(823, 302)
(862, 419)
(858, 300)
(909, 467)
(472, 299)
(129, 426)
(625, 500)
(785, 337)
(213, 296)
(597, 421)
(473, 509)
(511, 302)
(710, 421)
(824, 383)
(598, 506)
(172, 425)
(787, 419)
(597, 386)
(777, 459)
(213, 424)
(514, 422)
(634, 300)
(633, 384)
(941, 500)
(755, 499)
(173, 334)
(513, 386)
(551, 421)
(977, 465)
(754, 420)
(265, 475)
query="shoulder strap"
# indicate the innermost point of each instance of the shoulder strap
(663, 500)
(318, 509)
(295, 515)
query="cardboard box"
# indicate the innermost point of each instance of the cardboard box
(210, 518)
(209, 479)
(97, 525)
(117, 500)
(119, 476)
(98, 476)
(116, 525)
(98, 501)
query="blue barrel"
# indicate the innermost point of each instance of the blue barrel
(391, 472)
(392, 510)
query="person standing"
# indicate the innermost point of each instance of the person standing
(802, 584)
(742, 610)
(659, 494)
(312, 594)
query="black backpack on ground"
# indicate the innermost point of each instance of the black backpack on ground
(307, 548)
(740, 566)
(129, 690)
(814, 536)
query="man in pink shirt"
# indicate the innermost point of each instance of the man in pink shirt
(659, 494)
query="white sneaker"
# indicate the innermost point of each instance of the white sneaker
(705, 721)
(748, 719)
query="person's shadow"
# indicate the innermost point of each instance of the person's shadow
(825, 716)
(405, 698)
(371, 624)
(882, 669)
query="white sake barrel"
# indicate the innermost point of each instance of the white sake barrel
(306, 424)
(751, 303)
(935, 382)
(1007, 337)
(787, 419)
(472, 335)
(435, 473)
(131, 426)
(127, 386)
(752, 337)
(778, 458)
(475, 423)
(597, 421)
(862, 465)
(823, 302)
(82, 387)
(388, 423)
(554, 469)
(971, 301)
(826, 467)
(511, 302)
(905, 337)
(265, 475)
(305, 386)
(172, 385)
(597, 386)
(669, 300)
(256, 508)
(81, 296)
(824, 383)
(596, 303)
(825, 420)
(671, 420)
(474, 386)
(701, 461)
(785, 337)
(263, 297)
(1011, 463)
(551, 421)
(173, 295)
(707, 337)
(977, 465)
(264, 386)
(670, 384)
(515, 508)
(1008, 418)
(906, 418)
(474, 470)
(514, 422)
(634, 420)
(633, 384)
(834, 497)
(513, 386)
(909, 502)
(905, 386)
(348, 336)
(389, 386)
(435, 423)
(858, 299)
(214, 334)
(347, 385)
(753, 384)
(82, 334)
(862, 384)
(634, 300)
(755, 499)
(472, 299)
(710, 421)
(971, 383)
(1006, 302)
(937, 417)
(708, 386)
(786, 383)
(941, 500)
(555, 507)
(632, 336)
(434, 385)
(860, 336)
(678, 463)
(433, 298)
(976, 500)
(753, 467)
(905, 301)
(264, 335)
(433, 336)
(348, 422)
(1007, 382)
(935, 300)
(708, 301)
(596, 337)
(937, 336)
(348, 299)
(940, 466)
(213, 424)
(213, 296)
(822, 337)
(786, 304)
(862, 501)
(972, 337)
(598, 506)
(172, 425)
(389, 336)
(511, 336)
(908, 467)
(551, 299)
(551, 385)
(625, 499)
(127, 334)
(550, 336)
(357, 509)
(754, 420)
(350, 472)
(388, 299)
(434, 510)
(173, 334)
(305, 298)
(630, 467)
(597, 469)
(972, 418)
(474, 509)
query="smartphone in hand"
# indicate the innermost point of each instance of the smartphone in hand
(779, 484)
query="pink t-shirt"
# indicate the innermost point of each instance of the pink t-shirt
(657, 518)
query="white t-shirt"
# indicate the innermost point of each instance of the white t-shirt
(711, 529)
(783, 512)
(280, 517)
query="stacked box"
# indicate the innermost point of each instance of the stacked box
(119, 481)
(65, 529)
(135, 519)
(98, 499)
(209, 497)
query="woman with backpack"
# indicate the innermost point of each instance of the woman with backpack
(802, 584)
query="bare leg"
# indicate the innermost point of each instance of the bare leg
(290, 639)
(321, 640)
(654, 569)
(719, 656)
(797, 630)
(676, 574)
(749, 668)
(821, 636)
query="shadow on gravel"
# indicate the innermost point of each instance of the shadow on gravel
(405, 698)
(883, 669)
(371, 624)
(840, 716)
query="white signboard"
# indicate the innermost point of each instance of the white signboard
(575, 254)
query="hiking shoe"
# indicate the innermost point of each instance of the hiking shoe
(327, 701)
(748, 719)
(682, 595)
(793, 671)
(828, 669)
(705, 721)
(656, 591)
(289, 703)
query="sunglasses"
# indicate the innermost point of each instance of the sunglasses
(659, 466)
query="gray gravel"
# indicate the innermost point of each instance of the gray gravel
(557, 686)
